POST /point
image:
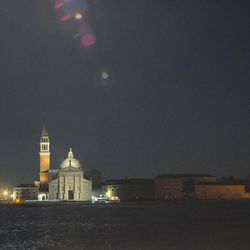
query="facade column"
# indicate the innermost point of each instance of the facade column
(79, 187)
(60, 187)
(65, 195)
(75, 191)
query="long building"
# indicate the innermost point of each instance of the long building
(220, 191)
(174, 186)
(178, 186)
(130, 189)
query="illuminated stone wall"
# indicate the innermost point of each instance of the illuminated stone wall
(44, 176)
(217, 191)
(178, 186)
(70, 185)
(130, 189)
(168, 188)
(44, 163)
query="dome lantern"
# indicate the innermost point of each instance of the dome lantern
(70, 154)
(70, 161)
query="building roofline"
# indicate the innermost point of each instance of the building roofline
(25, 186)
(218, 184)
(128, 181)
(182, 175)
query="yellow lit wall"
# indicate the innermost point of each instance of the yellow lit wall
(44, 167)
(44, 163)
(44, 179)
(219, 191)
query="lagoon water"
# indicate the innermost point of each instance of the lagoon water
(131, 225)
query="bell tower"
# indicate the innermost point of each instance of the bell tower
(44, 159)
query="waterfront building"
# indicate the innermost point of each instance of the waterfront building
(178, 186)
(24, 192)
(66, 183)
(130, 189)
(70, 184)
(220, 191)
(168, 188)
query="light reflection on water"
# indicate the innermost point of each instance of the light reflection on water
(131, 225)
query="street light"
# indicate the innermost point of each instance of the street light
(5, 194)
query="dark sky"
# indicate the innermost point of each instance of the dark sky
(177, 99)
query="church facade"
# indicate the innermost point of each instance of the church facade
(70, 183)
(67, 183)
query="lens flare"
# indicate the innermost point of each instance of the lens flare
(65, 18)
(68, 11)
(78, 16)
(88, 39)
(105, 75)
(58, 4)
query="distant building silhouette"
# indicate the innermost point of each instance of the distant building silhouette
(130, 189)
(96, 178)
(178, 186)
(219, 191)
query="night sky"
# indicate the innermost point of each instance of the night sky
(177, 97)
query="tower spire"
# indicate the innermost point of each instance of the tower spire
(44, 131)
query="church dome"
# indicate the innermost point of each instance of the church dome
(70, 161)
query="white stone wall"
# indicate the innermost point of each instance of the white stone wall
(53, 190)
(86, 189)
(70, 180)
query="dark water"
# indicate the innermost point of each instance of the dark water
(139, 225)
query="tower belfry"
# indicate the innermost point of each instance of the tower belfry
(44, 159)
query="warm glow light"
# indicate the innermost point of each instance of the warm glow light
(78, 16)
(115, 198)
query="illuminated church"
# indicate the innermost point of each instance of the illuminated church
(65, 184)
